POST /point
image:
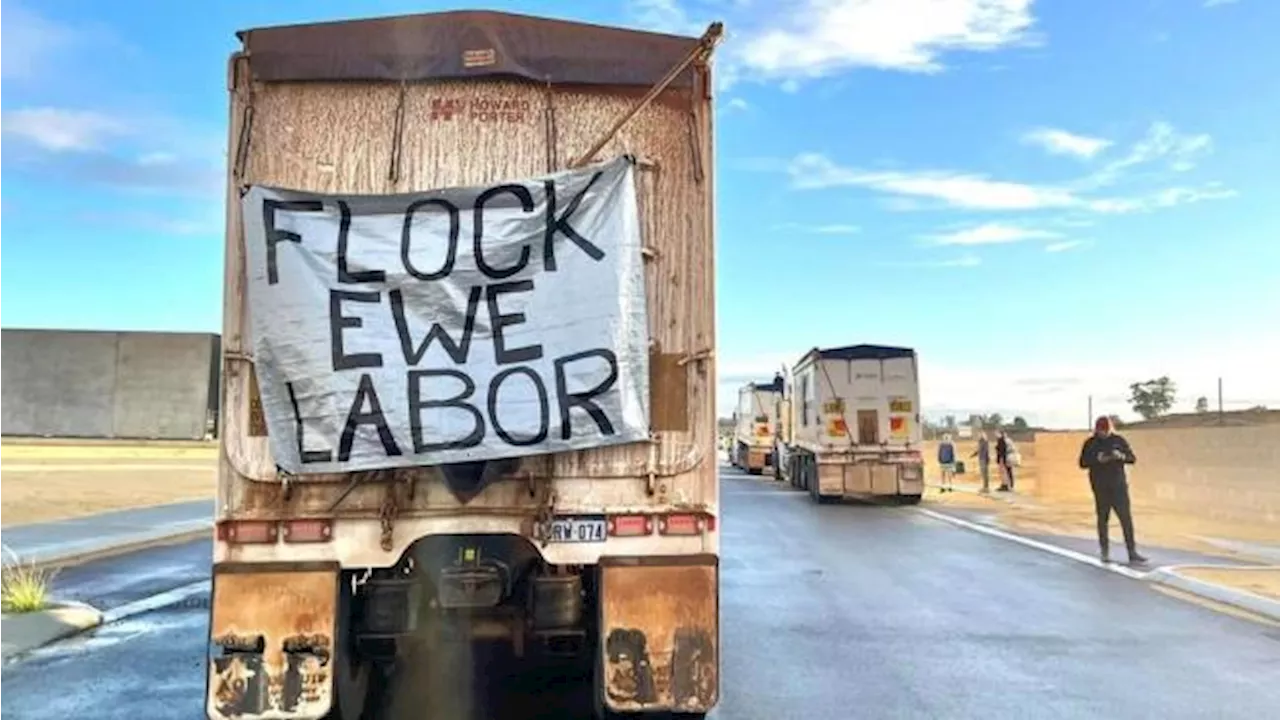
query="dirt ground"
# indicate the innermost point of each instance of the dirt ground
(1061, 505)
(55, 480)
(1260, 582)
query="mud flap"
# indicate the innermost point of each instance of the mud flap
(660, 633)
(271, 631)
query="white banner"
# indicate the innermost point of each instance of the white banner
(448, 326)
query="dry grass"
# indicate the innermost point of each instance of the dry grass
(55, 481)
(24, 588)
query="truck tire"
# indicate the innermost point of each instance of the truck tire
(909, 499)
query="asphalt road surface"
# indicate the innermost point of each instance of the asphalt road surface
(837, 611)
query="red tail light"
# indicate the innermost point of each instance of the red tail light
(686, 524)
(308, 531)
(630, 525)
(248, 532)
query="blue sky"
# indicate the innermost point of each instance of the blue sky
(1048, 199)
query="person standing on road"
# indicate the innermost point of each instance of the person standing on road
(1004, 449)
(983, 453)
(947, 462)
(1104, 455)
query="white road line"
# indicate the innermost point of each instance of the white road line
(1029, 542)
(154, 602)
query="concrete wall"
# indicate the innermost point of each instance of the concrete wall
(1228, 474)
(107, 384)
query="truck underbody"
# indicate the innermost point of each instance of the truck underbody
(400, 636)
(869, 474)
(755, 459)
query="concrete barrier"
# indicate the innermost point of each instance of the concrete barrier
(89, 384)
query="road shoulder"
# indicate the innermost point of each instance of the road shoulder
(1234, 585)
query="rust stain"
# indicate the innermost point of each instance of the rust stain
(668, 393)
(276, 632)
(257, 417)
(660, 630)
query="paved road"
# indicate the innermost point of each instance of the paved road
(828, 612)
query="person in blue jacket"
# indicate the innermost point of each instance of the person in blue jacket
(947, 461)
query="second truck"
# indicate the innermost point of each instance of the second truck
(854, 428)
(755, 424)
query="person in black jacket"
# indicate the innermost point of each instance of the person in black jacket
(1104, 455)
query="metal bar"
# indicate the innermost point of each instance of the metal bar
(706, 44)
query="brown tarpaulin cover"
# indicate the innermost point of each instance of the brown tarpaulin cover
(463, 44)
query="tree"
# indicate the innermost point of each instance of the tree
(1116, 422)
(1152, 398)
(1020, 424)
(949, 422)
(1202, 404)
(995, 421)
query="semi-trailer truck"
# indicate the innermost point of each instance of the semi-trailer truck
(755, 424)
(854, 430)
(468, 365)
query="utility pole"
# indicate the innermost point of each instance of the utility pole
(1221, 415)
(1089, 422)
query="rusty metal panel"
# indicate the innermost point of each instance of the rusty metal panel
(257, 418)
(281, 624)
(660, 633)
(668, 393)
(465, 44)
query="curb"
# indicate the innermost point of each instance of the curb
(1079, 557)
(95, 550)
(1239, 599)
(24, 632)
(1167, 575)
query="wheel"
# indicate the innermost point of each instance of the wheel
(909, 499)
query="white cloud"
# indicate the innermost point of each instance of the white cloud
(1065, 245)
(975, 192)
(830, 229)
(836, 229)
(157, 158)
(62, 130)
(1166, 198)
(992, 234)
(1061, 142)
(811, 38)
(29, 42)
(1218, 3)
(736, 104)
(964, 261)
(1162, 144)
(665, 16)
(1162, 149)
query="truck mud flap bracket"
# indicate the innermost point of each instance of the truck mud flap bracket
(271, 632)
(659, 633)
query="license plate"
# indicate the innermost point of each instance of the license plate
(577, 529)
